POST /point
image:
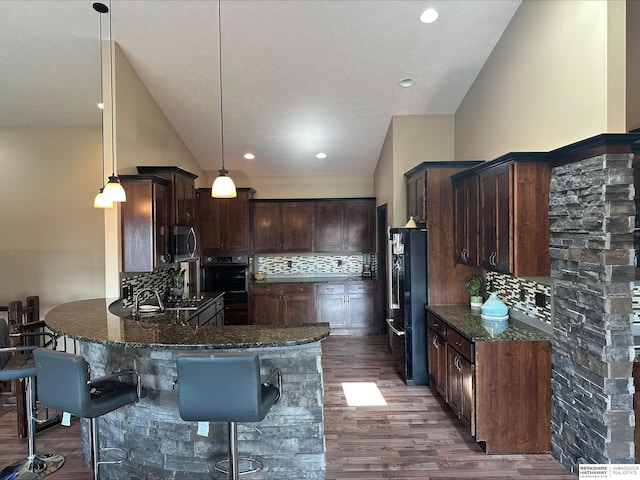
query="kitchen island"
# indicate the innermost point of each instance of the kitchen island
(290, 440)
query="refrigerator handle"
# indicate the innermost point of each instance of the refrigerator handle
(395, 331)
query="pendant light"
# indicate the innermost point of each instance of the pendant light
(113, 190)
(223, 186)
(101, 200)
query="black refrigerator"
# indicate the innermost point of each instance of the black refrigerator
(407, 283)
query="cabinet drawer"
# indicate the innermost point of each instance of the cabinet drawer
(302, 288)
(437, 325)
(330, 288)
(219, 304)
(361, 287)
(461, 344)
(267, 290)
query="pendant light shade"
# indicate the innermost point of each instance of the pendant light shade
(102, 201)
(113, 189)
(223, 186)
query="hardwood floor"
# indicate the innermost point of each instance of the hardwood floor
(414, 436)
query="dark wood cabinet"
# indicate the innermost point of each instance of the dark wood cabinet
(345, 226)
(281, 304)
(466, 207)
(495, 231)
(349, 307)
(437, 354)
(416, 206)
(500, 390)
(145, 222)
(283, 226)
(513, 215)
(183, 192)
(223, 222)
(212, 315)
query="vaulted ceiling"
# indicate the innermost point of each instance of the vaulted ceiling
(299, 76)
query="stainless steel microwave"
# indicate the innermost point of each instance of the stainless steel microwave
(184, 243)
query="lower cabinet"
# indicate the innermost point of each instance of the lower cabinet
(349, 307)
(211, 316)
(281, 304)
(500, 390)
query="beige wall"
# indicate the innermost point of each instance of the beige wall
(410, 140)
(553, 78)
(52, 238)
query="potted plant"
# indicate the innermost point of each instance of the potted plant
(475, 288)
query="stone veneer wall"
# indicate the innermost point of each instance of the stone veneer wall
(289, 441)
(591, 248)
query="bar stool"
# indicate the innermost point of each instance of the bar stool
(64, 384)
(226, 387)
(15, 366)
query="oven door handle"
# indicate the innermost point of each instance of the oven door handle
(393, 328)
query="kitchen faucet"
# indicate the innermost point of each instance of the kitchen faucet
(136, 300)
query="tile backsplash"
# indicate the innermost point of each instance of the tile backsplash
(274, 265)
(509, 289)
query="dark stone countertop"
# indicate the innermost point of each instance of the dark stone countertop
(468, 323)
(286, 279)
(92, 321)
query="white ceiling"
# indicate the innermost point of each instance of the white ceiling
(299, 76)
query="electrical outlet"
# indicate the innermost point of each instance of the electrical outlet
(522, 295)
(541, 299)
(339, 263)
(289, 263)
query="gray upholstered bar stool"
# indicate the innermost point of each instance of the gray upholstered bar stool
(14, 367)
(226, 387)
(64, 384)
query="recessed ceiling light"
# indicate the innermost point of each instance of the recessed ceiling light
(321, 155)
(406, 82)
(249, 156)
(430, 15)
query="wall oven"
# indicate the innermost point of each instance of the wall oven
(229, 274)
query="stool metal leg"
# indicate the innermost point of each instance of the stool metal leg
(232, 461)
(34, 466)
(95, 451)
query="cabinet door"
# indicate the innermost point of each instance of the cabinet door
(210, 223)
(495, 192)
(328, 227)
(454, 380)
(298, 222)
(362, 306)
(359, 226)
(184, 199)
(299, 305)
(415, 197)
(265, 304)
(267, 227)
(237, 221)
(437, 362)
(467, 412)
(330, 308)
(466, 210)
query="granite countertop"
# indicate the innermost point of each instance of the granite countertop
(285, 279)
(469, 324)
(92, 321)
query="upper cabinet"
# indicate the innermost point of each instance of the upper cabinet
(145, 223)
(416, 206)
(341, 226)
(223, 222)
(281, 226)
(183, 192)
(512, 228)
(345, 226)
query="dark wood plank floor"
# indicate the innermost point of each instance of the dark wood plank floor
(413, 436)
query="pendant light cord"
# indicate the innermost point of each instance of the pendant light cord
(113, 160)
(101, 97)
(220, 80)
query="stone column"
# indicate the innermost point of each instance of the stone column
(591, 247)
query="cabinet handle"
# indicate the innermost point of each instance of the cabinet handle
(434, 341)
(458, 343)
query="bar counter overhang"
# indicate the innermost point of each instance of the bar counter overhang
(289, 441)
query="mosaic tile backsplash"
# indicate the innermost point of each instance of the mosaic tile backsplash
(312, 264)
(509, 289)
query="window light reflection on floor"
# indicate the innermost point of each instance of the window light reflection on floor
(362, 394)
